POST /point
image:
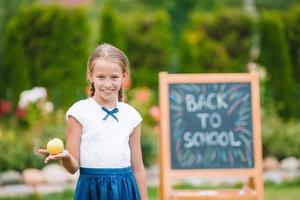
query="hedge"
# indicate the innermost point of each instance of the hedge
(145, 39)
(218, 42)
(47, 46)
(276, 58)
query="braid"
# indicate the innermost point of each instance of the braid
(120, 95)
(92, 90)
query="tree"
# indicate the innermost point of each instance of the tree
(276, 58)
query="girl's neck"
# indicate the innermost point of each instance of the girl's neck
(107, 104)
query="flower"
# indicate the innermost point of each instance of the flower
(155, 113)
(32, 96)
(21, 112)
(5, 107)
(48, 106)
(142, 95)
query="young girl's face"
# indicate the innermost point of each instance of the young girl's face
(107, 78)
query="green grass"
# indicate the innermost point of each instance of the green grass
(286, 191)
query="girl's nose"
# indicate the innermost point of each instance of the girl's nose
(108, 84)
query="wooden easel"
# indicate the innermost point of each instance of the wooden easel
(254, 188)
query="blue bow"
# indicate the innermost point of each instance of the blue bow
(110, 113)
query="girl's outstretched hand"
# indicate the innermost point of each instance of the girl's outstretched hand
(62, 155)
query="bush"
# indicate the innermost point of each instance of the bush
(20, 143)
(145, 39)
(280, 139)
(21, 136)
(143, 100)
(111, 27)
(148, 45)
(291, 21)
(7, 10)
(276, 58)
(218, 42)
(18, 153)
(52, 50)
(207, 56)
(149, 145)
(275, 4)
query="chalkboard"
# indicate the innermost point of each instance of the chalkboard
(210, 125)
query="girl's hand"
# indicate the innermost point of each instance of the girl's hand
(63, 155)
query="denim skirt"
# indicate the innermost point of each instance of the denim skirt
(106, 184)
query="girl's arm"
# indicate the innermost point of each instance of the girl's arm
(137, 161)
(69, 158)
(71, 162)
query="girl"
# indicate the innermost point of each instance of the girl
(103, 134)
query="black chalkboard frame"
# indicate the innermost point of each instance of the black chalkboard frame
(167, 173)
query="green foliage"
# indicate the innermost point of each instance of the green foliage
(149, 145)
(291, 21)
(47, 46)
(147, 41)
(143, 99)
(218, 42)
(210, 5)
(111, 27)
(7, 9)
(21, 138)
(275, 4)
(18, 152)
(275, 57)
(178, 11)
(280, 138)
(209, 56)
(52, 50)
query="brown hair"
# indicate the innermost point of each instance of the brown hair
(109, 53)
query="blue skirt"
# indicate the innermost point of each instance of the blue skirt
(106, 184)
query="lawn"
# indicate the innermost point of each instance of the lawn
(286, 191)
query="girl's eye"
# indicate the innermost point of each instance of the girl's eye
(115, 77)
(101, 77)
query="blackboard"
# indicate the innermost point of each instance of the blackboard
(210, 125)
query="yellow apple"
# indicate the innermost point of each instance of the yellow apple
(55, 146)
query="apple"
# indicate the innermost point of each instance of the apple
(55, 146)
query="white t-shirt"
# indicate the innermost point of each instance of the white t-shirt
(104, 143)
